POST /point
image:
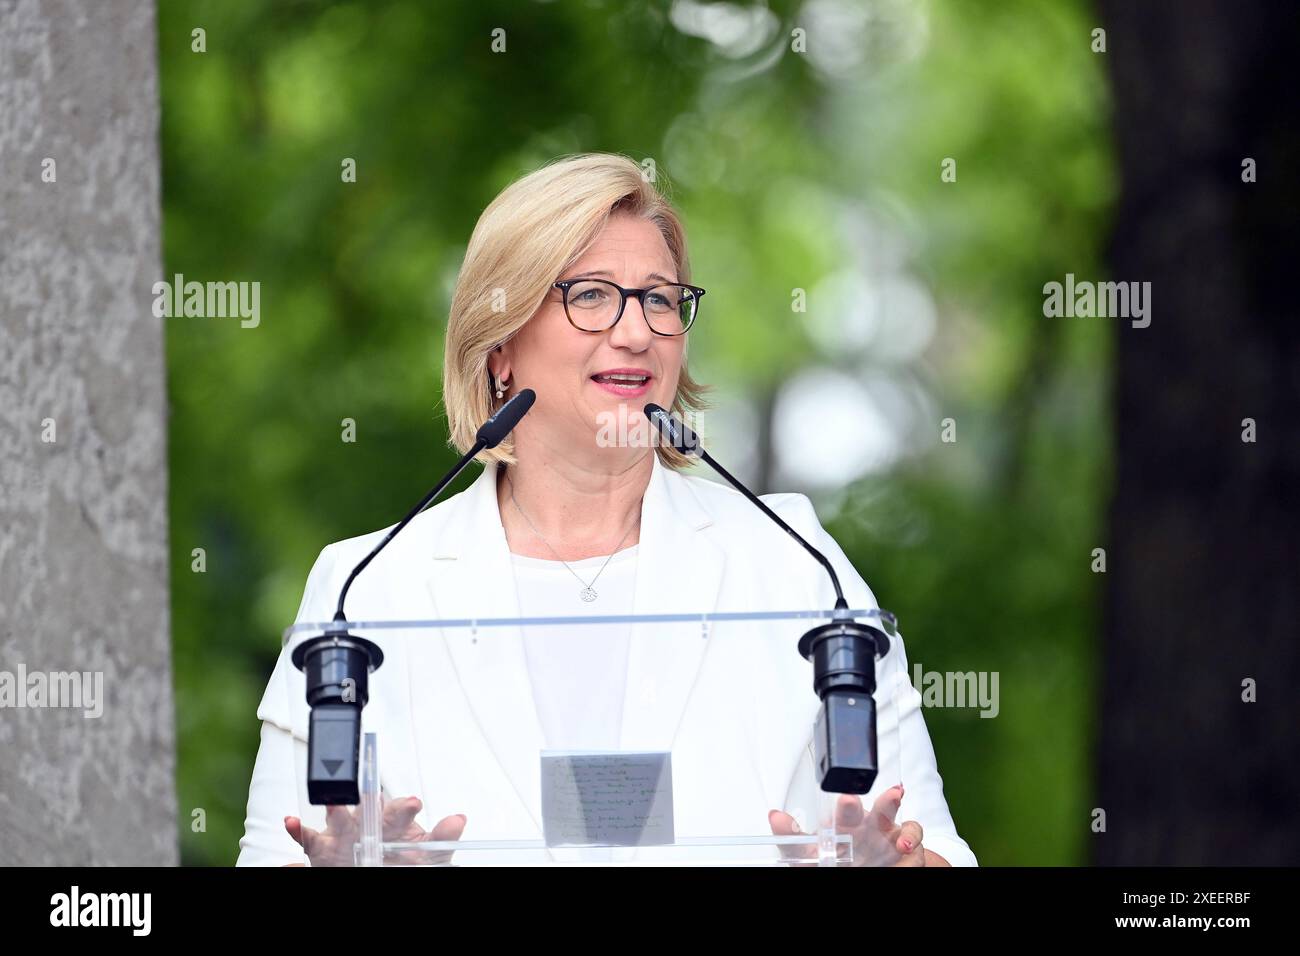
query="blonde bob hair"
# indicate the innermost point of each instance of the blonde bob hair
(538, 227)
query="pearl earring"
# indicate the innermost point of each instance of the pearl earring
(501, 384)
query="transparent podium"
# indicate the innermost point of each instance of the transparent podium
(591, 740)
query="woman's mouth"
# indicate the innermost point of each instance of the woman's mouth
(625, 384)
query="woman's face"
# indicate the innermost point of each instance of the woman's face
(559, 362)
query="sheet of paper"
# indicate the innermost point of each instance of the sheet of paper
(607, 797)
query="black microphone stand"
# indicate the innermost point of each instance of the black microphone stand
(843, 653)
(337, 664)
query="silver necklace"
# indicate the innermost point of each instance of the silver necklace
(587, 593)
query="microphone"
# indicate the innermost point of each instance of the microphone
(843, 653)
(337, 664)
(504, 420)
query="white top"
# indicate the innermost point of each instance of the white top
(578, 674)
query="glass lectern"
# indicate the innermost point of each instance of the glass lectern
(718, 727)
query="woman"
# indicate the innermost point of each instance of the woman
(576, 284)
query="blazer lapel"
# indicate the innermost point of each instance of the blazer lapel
(679, 571)
(473, 578)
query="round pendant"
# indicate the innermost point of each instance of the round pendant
(588, 595)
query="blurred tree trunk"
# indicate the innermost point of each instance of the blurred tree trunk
(1203, 559)
(83, 427)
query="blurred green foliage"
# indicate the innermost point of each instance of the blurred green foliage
(982, 547)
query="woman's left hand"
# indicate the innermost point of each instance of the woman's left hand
(877, 839)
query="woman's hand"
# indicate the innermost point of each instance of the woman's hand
(335, 846)
(877, 839)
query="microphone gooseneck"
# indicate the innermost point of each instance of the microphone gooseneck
(843, 652)
(337, 664)
(489, 435)
(684, 439)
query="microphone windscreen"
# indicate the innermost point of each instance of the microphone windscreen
(506, 418)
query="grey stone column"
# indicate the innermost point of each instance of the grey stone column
(83, 452)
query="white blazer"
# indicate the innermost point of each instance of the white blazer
(455, 714)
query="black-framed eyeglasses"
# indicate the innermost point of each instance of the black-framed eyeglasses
(595, 305)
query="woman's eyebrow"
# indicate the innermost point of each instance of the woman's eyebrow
(607, 274)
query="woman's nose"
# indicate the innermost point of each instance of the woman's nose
(632, 330)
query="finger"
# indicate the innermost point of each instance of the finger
(310, 839)
(294, 827)
(908, 839)
(908, 836)
(398, 815)
(873, 839)
(848, 812)
(448, 828)
(886, 807)
(783, 824)
(339, 819)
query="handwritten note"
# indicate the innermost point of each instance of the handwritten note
(607, 798)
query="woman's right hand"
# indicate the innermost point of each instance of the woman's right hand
(335, 846)
(877, 839)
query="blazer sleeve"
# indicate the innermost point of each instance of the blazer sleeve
(279, 785)
(898, 703)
